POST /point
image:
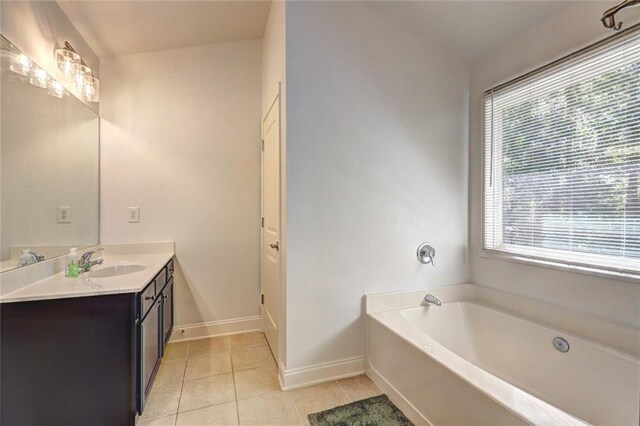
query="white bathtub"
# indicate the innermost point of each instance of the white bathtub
(486, 357)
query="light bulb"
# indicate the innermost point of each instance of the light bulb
(66, 60)
(88, 91)
(67, 69)
(22, 65)
(39, 78)
(91, 89)
(56, 89)
(80, 82)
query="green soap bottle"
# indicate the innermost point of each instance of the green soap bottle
(73, 264)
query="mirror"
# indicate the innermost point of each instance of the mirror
(49, 165)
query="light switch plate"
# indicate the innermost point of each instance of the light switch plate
(133, 214)
(64, 214)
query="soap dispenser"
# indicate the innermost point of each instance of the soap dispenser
(73, 264)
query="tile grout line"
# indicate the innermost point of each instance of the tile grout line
(179, 395)
(344, 391)
(233, 377)
(184, 373)
(295, 404)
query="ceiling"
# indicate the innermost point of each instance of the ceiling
(471, 28)
(114, 28)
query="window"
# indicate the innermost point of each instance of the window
(562, 160)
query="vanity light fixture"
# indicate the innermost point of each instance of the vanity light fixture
(78, 74)
(87, 86)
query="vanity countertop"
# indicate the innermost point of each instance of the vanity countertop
(59, 287)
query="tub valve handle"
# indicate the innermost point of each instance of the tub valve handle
(426, 254)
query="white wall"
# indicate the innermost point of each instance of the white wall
(376, 164)
(576, 27)
(38, 28)
(181, 140)
(273, 74)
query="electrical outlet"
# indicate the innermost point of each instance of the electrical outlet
(134, 214)
(64, 214)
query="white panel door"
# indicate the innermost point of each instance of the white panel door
(270, 256)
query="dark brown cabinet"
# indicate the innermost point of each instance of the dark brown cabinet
(83, 360)
(154, 329)
(167, 312)
(149, 336)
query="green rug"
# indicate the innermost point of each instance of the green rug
(376, 411)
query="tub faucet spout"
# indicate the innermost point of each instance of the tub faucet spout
(430, 299)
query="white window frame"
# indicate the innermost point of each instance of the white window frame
(563, 260)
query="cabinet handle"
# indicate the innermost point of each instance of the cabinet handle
(165, 297)
(149, 298)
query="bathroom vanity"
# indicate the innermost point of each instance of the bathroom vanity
(73, 351)
(77, 351)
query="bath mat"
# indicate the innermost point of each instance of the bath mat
(376, 411)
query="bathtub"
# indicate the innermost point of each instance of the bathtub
(486, 357)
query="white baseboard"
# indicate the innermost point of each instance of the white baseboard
(215, 328)
(396, 397)
(319, 373)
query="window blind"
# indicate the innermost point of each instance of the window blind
(562, 160)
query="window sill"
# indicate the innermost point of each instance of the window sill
(559, 266)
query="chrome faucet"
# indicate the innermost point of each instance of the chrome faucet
(430, 299)
(29, 257)
(85, 261)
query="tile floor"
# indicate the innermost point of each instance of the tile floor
(232, 380)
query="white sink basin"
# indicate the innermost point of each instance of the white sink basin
(114, 271)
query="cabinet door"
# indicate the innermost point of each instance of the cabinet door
(167, 311)
(149, 351)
